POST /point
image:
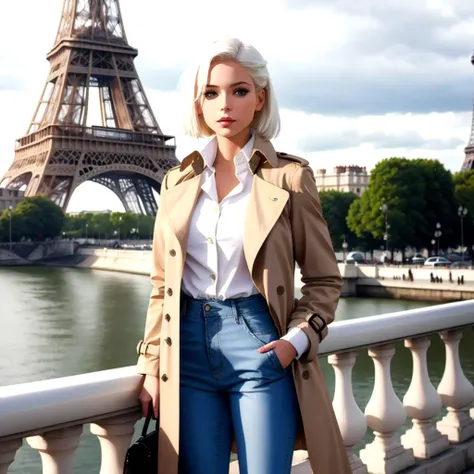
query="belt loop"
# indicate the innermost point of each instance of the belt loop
(235, 311)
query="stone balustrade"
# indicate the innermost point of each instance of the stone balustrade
(50, 415)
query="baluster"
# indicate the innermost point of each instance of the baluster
(422, 403)
(351, 420)
(8, 451)
(385, 414)
(115, 435)
(456, 392)
(57, 449)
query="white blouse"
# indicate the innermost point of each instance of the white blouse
(215, 266)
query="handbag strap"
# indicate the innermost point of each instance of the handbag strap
(148, 418)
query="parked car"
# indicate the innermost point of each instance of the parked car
(418, 259)
(437, 262)
(456, 257)
(355, 257)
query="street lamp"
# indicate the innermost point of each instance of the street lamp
(462, 212)
(384, 209)
(87, 232)
(438, 233)
(10, 208)
(344, 249)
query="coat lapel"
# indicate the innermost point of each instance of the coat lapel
(266, 203)
(179, 207)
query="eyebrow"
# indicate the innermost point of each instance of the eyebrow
(232, 85)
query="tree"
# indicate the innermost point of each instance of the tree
(419, 193)
(464, 193)
(335, 206)
(35, 218)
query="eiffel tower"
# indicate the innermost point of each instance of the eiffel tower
(469, 150)
(127, 153)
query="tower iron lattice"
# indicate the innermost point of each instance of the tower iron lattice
(469, 150)
(127, 153)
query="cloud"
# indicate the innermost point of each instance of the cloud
(351, 138)
(356, 81)
(10, 82)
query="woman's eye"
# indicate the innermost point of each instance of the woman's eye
(210, 94)
(241, 92)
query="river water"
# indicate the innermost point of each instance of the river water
(56, 322)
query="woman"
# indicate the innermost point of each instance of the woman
(228, 354)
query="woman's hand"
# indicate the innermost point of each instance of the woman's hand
(284, 350)
(150, 392)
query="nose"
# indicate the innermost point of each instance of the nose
(225, 103)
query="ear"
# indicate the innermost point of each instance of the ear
(261, 97)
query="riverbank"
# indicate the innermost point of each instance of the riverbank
(359, 281)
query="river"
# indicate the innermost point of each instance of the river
(56, 322)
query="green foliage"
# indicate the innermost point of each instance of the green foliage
(464, 190)
(335, 206)
(419, 193)
(123, 225)
(464, 194)
(35, 218)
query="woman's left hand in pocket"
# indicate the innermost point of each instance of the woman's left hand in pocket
(284, 350)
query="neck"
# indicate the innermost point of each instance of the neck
(228, 148)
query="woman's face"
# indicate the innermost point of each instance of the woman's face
(230, 100)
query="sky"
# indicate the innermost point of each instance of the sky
(356, 82)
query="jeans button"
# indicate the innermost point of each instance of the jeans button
(207, 308)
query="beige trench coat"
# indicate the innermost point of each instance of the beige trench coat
(284, 224)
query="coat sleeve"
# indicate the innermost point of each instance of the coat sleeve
(314, 254)
(148, 349)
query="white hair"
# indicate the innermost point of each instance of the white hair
(193, 82)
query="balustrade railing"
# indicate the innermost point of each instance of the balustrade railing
(50, 414)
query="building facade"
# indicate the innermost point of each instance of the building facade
(9, 197)
(348, 179)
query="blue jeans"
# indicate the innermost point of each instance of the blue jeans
(227, 388)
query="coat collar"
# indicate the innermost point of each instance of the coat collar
(263, 152)
(266, 203)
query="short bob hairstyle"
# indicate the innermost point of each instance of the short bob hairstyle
(193, 82)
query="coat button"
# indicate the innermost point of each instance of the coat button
(207, 308)
(167, 317)
(173, 253)
(280, 290)
(170, 292)
(164, 377)
(306, 374)
(168, 341)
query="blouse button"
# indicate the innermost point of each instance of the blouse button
(173, 253)
(212, 277)
(164, 377)
(306, 374)
(168, 341)
(280, 290)
(170, 292)
(167, 317)
(210, 240)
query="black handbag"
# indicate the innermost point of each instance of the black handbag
(142, 456)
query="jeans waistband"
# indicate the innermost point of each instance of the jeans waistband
(253, 303)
